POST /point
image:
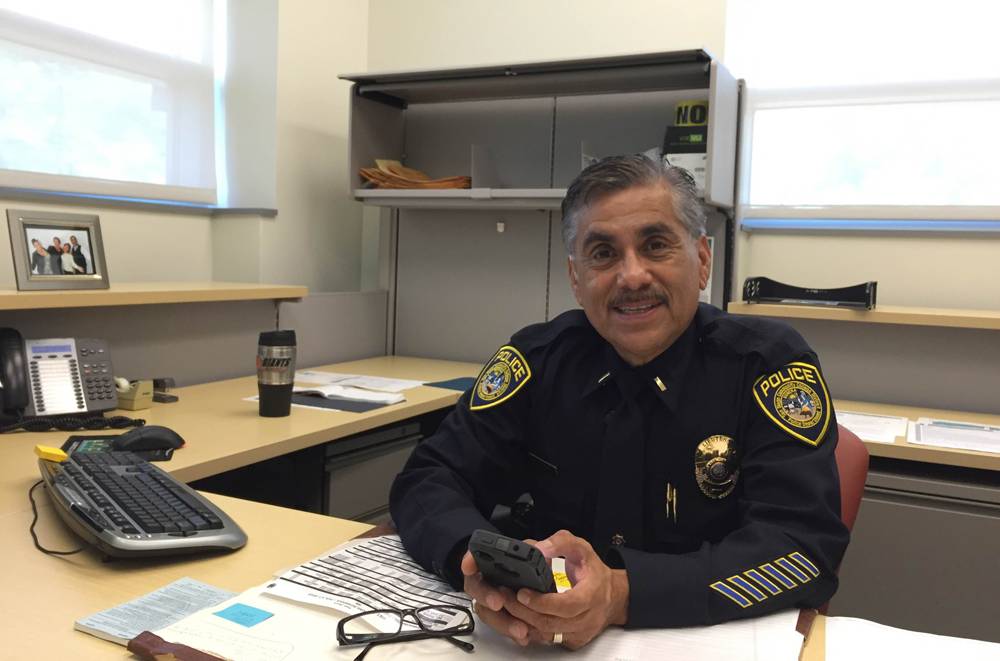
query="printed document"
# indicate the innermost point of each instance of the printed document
(954, 434)
(872, 427)
(375, 573)
(376, 383)
(157, 609)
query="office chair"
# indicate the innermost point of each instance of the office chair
(852, 464)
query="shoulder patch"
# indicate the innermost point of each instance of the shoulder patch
(796, 399)
(503, 376)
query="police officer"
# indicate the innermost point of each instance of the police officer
(681, 459)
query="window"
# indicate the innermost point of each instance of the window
(109, 97)
(880, 104)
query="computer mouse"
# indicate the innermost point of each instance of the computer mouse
(150, 437)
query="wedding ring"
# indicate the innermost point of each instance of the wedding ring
(474, 607)
(557, 639)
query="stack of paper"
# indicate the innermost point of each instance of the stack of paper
(954, 434)
(337, 391)
(376, 383)
(871, 427)
(849, 639)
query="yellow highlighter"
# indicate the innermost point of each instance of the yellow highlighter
(51, 454)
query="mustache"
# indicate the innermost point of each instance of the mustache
(648, 296)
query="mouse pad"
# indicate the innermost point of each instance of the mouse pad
(104, 444)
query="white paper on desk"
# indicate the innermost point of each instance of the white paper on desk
(159, 608)
(850, 639)
(768, 638)
(320, 377)
(376, 383)
(337, 390)
(955, 434)
(375, 573)
(871, 427)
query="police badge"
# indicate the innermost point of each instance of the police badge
(503, 376)
(715, 467)
(796, 399)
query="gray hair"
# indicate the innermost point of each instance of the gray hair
(618, 173)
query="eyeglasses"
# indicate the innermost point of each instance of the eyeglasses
(441, 621)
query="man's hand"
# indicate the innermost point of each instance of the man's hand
(598, 598)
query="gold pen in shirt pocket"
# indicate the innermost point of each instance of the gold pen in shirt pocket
(671, 502)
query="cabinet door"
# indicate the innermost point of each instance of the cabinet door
(925, 563)
(462, 287)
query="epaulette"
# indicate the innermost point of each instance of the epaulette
(540, 335)
(510, 368)
(774, 341)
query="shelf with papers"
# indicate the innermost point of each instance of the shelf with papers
(900, 449)
(148, 293)
(464, 198)
(883, 314)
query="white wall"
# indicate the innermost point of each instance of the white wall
(452, 33)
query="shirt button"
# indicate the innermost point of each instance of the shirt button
(617, 539)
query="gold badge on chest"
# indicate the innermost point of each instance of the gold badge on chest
(715, 467)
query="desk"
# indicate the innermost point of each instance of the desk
(224, 432)
(43, 595)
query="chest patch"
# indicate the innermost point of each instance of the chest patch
(796, 399)
(503, 376)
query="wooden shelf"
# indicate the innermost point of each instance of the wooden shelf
(883, 314)
(464, 198)
(929, 454)
(147, 293)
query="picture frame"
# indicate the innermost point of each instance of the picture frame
(57, 250)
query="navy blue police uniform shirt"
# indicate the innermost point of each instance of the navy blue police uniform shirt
(708, 474)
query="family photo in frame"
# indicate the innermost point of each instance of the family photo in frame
(56, 250)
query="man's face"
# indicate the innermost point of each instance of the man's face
(72, 240)
(637, 272)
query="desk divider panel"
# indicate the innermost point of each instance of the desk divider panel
(462, 287)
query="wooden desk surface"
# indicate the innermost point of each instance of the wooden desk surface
(43, 595)
(223, 432)
(926, 453)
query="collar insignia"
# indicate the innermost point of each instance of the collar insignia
(503, 376)
(796, 399)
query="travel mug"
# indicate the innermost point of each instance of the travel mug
(275, 372)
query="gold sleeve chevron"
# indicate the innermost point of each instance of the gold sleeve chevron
(759, 583)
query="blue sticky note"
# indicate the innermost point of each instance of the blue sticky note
(244, 615)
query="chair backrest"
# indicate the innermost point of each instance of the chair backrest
(852, 464)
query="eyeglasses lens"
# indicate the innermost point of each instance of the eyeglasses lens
(376, 622)
(443, 618)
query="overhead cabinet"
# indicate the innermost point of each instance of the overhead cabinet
(491, 255)
(523, 131)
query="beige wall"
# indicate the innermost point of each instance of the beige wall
(452, 33)
(316, 240)
(924, 271)
(139, 246)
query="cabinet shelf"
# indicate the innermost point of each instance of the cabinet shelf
(883, 314)
(464, 198)
(148, 293)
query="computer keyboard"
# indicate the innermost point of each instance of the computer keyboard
(128, 507)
